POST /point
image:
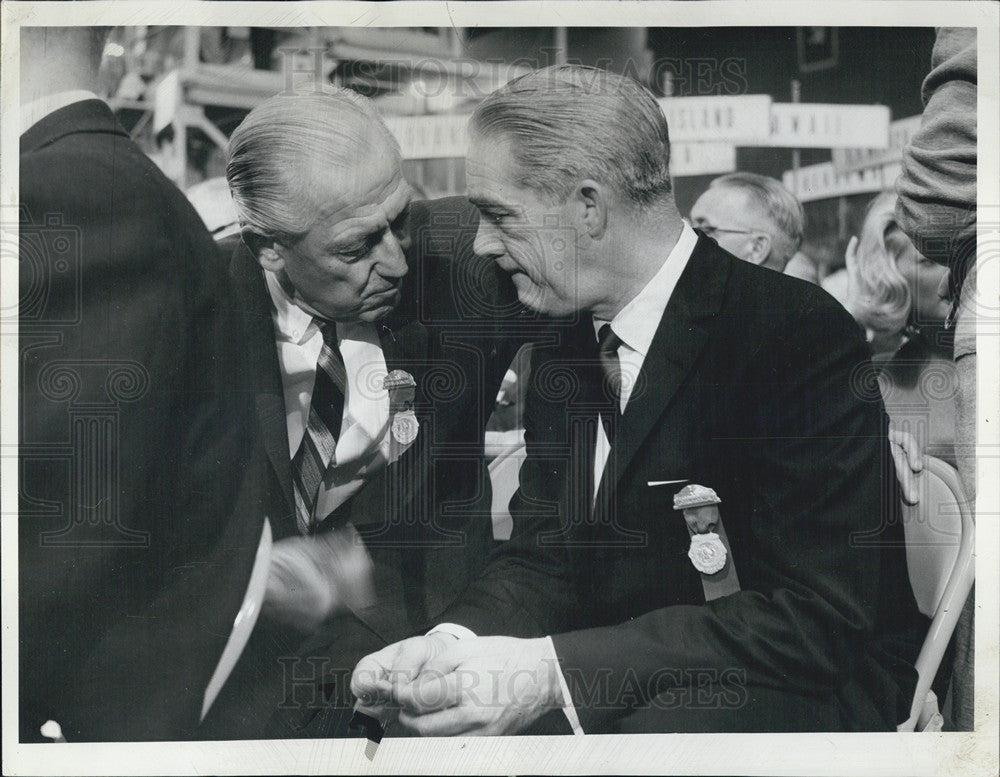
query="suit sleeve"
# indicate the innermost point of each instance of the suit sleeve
(121, 631)
(525, 590)
(814, 475)
(937, 189)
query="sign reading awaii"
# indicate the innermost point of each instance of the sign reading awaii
(818, 125)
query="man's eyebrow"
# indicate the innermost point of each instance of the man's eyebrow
(486, 202)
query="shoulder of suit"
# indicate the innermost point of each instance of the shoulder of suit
(775, 305)
(80, 117)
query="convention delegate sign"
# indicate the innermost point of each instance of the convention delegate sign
(745, 120)
(846, 160)
(822, 181)
(445, 137)
(819, 125)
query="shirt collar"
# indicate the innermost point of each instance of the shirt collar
(294, 324)
(34, 111)
(637, 322)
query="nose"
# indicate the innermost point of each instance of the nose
(487, 241)
(390, 260)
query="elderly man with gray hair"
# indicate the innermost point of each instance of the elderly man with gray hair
(751, 216)
(378, 343)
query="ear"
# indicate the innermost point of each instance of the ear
(760, 248)
(270, 254)
(590, 199)
(270, 257)
(265, 250)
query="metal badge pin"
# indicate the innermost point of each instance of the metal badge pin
(701, 512)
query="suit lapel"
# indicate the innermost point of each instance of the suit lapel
(680, 338)
(404, 347)
(269, 396)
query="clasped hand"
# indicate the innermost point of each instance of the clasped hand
(438, 685)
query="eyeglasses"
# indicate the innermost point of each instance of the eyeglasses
(711, 231)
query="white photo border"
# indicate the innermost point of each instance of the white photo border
(973, 753)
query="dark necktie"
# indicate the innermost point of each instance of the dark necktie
(319, 442)
(608, 343)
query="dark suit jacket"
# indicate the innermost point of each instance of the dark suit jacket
(426, 517)
(758, 386)
(136, 536)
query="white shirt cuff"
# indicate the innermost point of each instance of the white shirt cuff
(567, 700)
(458, 632)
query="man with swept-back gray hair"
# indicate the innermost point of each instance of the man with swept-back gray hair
(725, 494)
(378, 342)
(753, 217)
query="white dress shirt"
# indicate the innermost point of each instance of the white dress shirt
(363, 440)
(636, 325)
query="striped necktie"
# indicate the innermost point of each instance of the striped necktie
(608, 343)
(319, 442)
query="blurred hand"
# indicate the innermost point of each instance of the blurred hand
(313, 578)
(378, 674)
(487, 686)
(907, 458)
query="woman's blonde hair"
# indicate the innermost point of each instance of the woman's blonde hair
(882, 299)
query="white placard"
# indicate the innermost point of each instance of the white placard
(818, 125)
(702, 158)
(713, 121)
(822, 181)
(430, 137)
(900, 133)
(743, 119)
(165, 100)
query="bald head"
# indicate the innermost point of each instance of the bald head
(753, 217)
(292, 154)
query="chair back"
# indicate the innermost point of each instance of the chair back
(940, 538)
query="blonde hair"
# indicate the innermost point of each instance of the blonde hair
(882, 301)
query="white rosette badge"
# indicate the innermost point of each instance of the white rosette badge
(707, 553)
(701, 512)
(403, 421)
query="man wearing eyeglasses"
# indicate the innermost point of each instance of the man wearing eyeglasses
(752, 217)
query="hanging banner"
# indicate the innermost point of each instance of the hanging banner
(744, 119)
(817, 125)
(900, 133)
(822, 181)
(718, 121)
(702, 159)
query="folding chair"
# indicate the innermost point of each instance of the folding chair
(940, 541)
